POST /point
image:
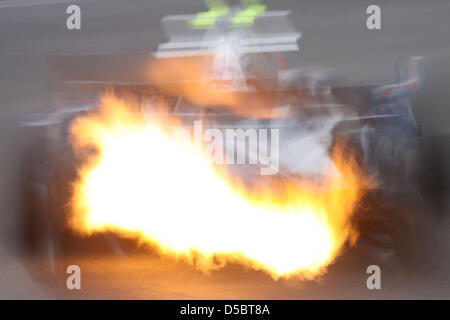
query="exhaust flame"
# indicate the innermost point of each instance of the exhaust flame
(143, 184)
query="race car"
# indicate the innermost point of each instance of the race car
(231, 71)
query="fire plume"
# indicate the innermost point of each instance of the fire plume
(144, 184)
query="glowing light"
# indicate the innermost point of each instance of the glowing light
(144, 184)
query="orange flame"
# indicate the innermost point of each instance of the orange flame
(192, 78)
(143, 184)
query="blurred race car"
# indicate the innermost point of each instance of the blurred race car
(195, 73)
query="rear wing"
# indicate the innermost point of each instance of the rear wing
(270, 32)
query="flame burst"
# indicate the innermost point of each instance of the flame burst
(144, 184)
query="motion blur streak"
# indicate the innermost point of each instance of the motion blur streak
(192, 78)
(144, 184)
